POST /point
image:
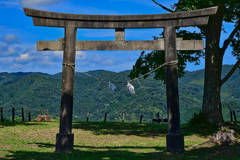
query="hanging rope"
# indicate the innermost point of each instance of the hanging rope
(111, 86)
(169, 63)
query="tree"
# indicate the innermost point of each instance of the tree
(228, 11)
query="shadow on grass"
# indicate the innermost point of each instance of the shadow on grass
(21, 123)
(138, 129)
(205, 132)
(116, 128)
(128, 153)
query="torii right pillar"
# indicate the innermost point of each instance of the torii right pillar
(175, 140)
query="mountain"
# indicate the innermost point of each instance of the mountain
(5, 77)
(35, 90)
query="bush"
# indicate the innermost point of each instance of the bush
(19, 119)
(200, 120)
(5, 119)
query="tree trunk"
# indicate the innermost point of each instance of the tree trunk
(213, 69)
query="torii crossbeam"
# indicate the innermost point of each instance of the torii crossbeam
(69, 44)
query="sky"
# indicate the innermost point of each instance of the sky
(18, 35)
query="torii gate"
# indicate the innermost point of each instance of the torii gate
(68, 44)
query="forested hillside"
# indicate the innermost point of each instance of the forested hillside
(37, 90)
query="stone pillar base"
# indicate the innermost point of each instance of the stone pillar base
(175, 142)
(64, 142)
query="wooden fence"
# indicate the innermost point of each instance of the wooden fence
(158, 120)
(22, 110)
(105, 119)
(232, 113)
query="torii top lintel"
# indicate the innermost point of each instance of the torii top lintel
(176, 19)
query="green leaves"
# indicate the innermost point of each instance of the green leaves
(148, 62)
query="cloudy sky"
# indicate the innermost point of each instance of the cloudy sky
(18, 35)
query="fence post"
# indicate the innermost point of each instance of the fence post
(87, 116)
(29, 114)
(105, 117)
(40, 111)
(234, 116)
(231, 114)
(141, 118)
(22, 115)
(158, 117)
(1, 114)
(162, 118)
(13, 114)
(123, 117)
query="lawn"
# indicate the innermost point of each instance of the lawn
(107, 140)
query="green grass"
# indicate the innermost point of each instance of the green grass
(107, 140)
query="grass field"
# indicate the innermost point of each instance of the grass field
(108, 140)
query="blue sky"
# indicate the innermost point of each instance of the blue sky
(18, 35)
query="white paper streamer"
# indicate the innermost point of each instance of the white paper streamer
(111, 87)
(130, 88)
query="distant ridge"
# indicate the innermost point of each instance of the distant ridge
(35, 90)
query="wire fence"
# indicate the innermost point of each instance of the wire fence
(28, 114)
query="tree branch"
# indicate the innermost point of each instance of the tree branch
(227, 41)
(231, 12)
(169, 10)
(203, 28)
(230, 73)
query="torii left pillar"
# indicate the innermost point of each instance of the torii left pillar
(65, 137)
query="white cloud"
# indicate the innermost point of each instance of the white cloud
(46, 60)
(95, 58)
(84, 63)
(18, 66)
(80, 55)
(8, 45)
(23, 58)
(3, 45)
(120, 66)
(11, 39)
(8, 50)
(108, 62)
(9, 4)
(5, 62)
(11, 50)
(58, 54)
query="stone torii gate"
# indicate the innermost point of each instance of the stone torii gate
(69, 44)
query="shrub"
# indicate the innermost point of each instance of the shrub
(200, 120)
(5, 119)
(18, 119)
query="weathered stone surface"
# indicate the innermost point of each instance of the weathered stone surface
(175, 140)
(83, 17)
(177, 19)
(120, 34)
(64, 142)
(196, 21)
(121, 45)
